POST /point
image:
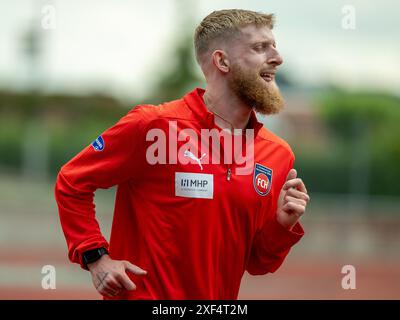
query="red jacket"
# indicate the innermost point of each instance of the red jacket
(193, 245)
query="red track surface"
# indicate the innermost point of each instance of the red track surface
(307, 278)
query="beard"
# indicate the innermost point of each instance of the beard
(264, 97)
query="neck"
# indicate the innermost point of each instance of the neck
(229, 110)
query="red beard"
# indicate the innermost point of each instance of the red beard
(264, 97)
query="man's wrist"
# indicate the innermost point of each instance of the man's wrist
(93, 255)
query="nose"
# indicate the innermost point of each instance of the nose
(275, 58)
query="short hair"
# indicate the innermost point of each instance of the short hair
(225, 24)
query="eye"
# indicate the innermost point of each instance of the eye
(260, 47)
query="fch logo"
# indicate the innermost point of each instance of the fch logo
(262, 179)
(98, 144)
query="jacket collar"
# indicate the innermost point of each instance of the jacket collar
(195, 102)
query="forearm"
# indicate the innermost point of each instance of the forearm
(77, 216)
(271, 245)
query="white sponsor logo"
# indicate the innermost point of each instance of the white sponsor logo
(194, 185)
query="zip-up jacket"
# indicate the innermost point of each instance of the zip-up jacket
(194, 225)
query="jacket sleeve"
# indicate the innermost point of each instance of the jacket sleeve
(117, 156)
(272, 242)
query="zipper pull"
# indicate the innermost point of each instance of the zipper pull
(228, 174)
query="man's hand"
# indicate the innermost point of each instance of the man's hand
(109, 276)
(292, 200)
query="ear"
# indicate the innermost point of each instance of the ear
(220, 60)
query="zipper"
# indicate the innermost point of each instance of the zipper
(229, 170)
(228, 174)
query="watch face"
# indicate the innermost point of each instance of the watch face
(93, 255)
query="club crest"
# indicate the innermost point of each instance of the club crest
(262, 179)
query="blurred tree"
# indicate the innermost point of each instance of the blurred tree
(366, 125)
(180, 75)
(71, 123)
(35, 144)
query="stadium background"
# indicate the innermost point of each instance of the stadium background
(68, 70)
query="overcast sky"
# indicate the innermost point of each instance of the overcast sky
(120, 47)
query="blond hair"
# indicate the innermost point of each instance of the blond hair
(224, 25)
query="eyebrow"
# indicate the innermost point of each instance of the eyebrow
(263, 42)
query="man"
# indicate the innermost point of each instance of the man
(186, 226)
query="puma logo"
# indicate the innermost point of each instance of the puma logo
(190, 155)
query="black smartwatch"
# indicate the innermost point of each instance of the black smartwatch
(91, 256)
